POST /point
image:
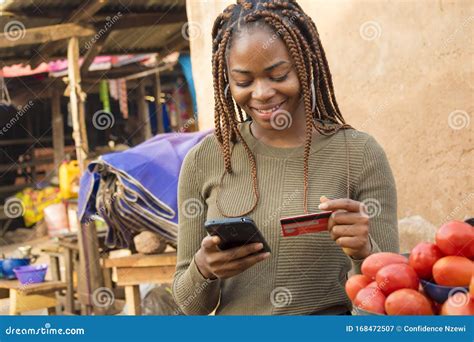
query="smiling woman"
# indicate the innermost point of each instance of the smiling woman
(275, 107)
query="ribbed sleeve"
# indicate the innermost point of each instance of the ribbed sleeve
(194, 294)
(376, 189)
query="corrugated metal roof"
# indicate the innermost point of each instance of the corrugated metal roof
(152, 38)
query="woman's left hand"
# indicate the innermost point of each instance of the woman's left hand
(348, 226)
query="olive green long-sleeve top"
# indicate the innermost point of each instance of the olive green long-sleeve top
(305, 274)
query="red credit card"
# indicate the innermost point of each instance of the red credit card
(305, 224)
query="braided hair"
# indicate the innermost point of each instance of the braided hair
(298, 31)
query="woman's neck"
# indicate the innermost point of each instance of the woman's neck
(293, 136)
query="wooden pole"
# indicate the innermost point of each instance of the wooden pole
(58, 129)
(143, 114)
(90, 273)
(159, 110)
(74, 85)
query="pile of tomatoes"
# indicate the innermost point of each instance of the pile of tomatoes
(390, 283)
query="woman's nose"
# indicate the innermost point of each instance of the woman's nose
(262, 91)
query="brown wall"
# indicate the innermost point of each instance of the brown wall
(403, 72)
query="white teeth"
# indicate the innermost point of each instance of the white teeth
(268, 111)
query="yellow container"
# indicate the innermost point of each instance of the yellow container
(69, 173)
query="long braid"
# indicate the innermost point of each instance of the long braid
(299, 33)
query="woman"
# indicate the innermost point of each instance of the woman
(285, 151)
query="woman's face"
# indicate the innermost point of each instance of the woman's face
(263, 79)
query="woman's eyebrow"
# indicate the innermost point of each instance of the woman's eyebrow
(273, 66)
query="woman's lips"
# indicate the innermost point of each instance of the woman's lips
(267, 113)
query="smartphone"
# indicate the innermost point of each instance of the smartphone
(305, 224)
(236, 232)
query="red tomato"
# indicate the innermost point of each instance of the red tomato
(471, 286)
(355, 283)
(459, 304)
(374, 262)
(456, 238)
(370, 299)
(395, 277)
(408, 302)
(373, 284)
(453, 271)
(423, 257)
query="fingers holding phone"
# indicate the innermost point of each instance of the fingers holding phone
(214, 263)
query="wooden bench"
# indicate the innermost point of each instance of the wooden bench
(32, 296)
(139, 269)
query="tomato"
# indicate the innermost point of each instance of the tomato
(373, 284)
(453, 271)
(456, 238)
(395, 277)
(375, 262)
(459, 304)
(408, 302)
(471, 286)
(370, 299)
(423, 257)
(355, 283)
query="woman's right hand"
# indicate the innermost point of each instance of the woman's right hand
(215, 263)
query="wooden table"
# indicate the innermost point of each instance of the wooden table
(32, 296)
(141, 269)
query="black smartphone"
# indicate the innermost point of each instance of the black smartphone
(236, 232)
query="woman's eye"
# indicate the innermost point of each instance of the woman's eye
(243, 84)
(280, 79)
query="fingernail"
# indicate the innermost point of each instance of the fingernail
(323, 206)
(259, 246)
(265, 255)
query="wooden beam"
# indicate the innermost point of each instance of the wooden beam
(74, 85)
(84, 13)
(146, 19)
(58, 129)
(144, 126)
(159, 110)
(39, 35)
